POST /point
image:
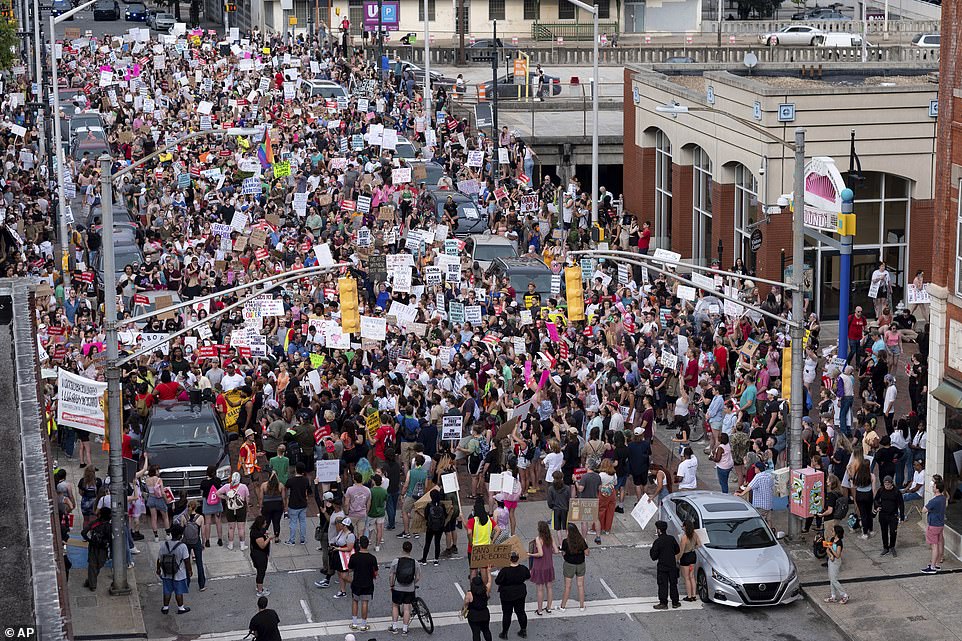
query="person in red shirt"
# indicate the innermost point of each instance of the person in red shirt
(384, 434)
(721, 357)
(644, 238)
(166, 390)
(856, 332)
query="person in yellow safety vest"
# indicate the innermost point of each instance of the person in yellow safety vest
(247, 463)
(481, 531)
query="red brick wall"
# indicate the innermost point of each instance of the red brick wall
(776, 236)
(948, 146)
(633, 167)
(723, 221)
(681, 209)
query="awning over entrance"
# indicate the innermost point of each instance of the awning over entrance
(948, 394)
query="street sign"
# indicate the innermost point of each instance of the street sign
(390, 15)
(756, 240)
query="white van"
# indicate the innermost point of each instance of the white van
(835, 39)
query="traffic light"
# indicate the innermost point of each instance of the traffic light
(575, 294)
(350, 318)
(230, 7)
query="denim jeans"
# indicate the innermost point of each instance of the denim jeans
(198, 550)
(854, 355)
(845, 412)
(390, 508)
(723, 478)
(298, 519)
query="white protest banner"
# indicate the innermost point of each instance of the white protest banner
(300, 203)
(873, 289)
(668, 360)
(363, 204)
(440, 233)
(451, 428)
(402, 280)
(623, 276)
(733, 309)
(401, 175)
(432, 275)
(449, 483)
(475, 158)
(705, 282)
(664, 255)
(389, 139)
(337, 340)
(503, 158)
(251, 186)
(374, 329)
(686, 293)
(239, 221)
(272, 307)
(81, 402)
(324, 256)
(472, 314)
(915, 296)
(644, 510)
(327, 471)
(205, 107)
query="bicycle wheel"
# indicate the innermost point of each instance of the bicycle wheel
(424, 615)
(697, 428)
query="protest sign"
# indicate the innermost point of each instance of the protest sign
(451, 428)
(582, 510)
(81, 402)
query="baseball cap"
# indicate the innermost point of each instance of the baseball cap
(328, 496)
(249, 432)
(639, 431)
(347, 521)
(888, 479)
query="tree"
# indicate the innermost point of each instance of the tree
(9, 42)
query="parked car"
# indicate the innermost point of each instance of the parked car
(839, 39)
(740, 562)
(927, 40)
(125, 233)
(160, 20)
(507, 90)
(437, 78)
(324, 88)
(523, 270)
(799, 34)
(471, 220)
(485, 248)
(107, 10)
(92, 120)
(820, 13)
(183, 439)
(483, 49)
(135, 13)
(432, 170)
(88, 140)
(60, 7)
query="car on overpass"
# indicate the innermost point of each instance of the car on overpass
(107, 10)
(927, 40)
(793, 35)
(482, 49)
(739, 562)
(508, 90)
(60, 7)
(820, 13)
(437, 78)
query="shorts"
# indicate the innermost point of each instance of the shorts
(407, 452)
(640, 480)
(622, 481)
(208, 509)
(571, 570)
(402, 598)
(451, 525)
(175, 587)
(254, 478)
(688, 558)
(366, 595)
(156, 503)
(237, 516)
(511, 505)
(373, 521)
(933, 534)
(408, 505)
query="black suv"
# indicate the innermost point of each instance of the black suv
(183, 439)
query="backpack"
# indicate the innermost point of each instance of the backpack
(234, 501)
(405, 572)
(169, 563)
(191, 532)
(840, 509)
(436, 517)
(410, 433)
(99, 534)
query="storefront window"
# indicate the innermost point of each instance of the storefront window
(952, 464)
(746, 208)
(701, 207)
(662, 188)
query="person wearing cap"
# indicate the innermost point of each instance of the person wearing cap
(762, 487)
(890, 505)
(342, 549)
(247, 463)
(327, 516)
(664, 551)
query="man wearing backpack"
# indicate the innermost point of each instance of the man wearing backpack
(173, 568)
(408, 431)
(97, 535)
(436, 516)
(405, 575)
(193, 522)
(412, 490)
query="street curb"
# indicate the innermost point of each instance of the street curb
(817, 606)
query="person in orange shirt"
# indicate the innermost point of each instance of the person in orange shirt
(247, 464)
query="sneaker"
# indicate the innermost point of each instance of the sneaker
(183, 610)
(454, 550)
(660, 606)
(137, 536)
(894, 552)
(416, 536)
(938, 568)
(340, 595)
(402, 535)
(422, 562)
(220, 542)
(289, 543)
(404, 633)
(394, 630)
(264, 592)
(843, 600)
(207, 543)
(620, 510)
(928, 569)
(165, 609)
(322, 584)
(561, 608)
(436, 562)
(135, 550)
(243, 547)
(365, 628)
(592, 531)
(377, 548)
(597, 540)
(230, 546)
(156, 538)
(130, 565)
(884, 552)
(354, 626)
(830, 599)
(863, 536)
(676, 605)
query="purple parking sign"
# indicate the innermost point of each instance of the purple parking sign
(390, 15)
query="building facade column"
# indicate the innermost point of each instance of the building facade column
(682, 217)
(935, 410)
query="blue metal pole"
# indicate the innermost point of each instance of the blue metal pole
(845, 277)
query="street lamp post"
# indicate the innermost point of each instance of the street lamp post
(62, 207)
(427, 65)
(118, 495)
(593, 10)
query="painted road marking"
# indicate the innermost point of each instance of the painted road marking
(307, 611)
(608, 589)
(460, 589)
(628, 606)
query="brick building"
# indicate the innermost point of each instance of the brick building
(705, 178)
(944, 414)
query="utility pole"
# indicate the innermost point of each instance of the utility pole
(460, 30)
(494, 84)
(427, 65)
(797, 330)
